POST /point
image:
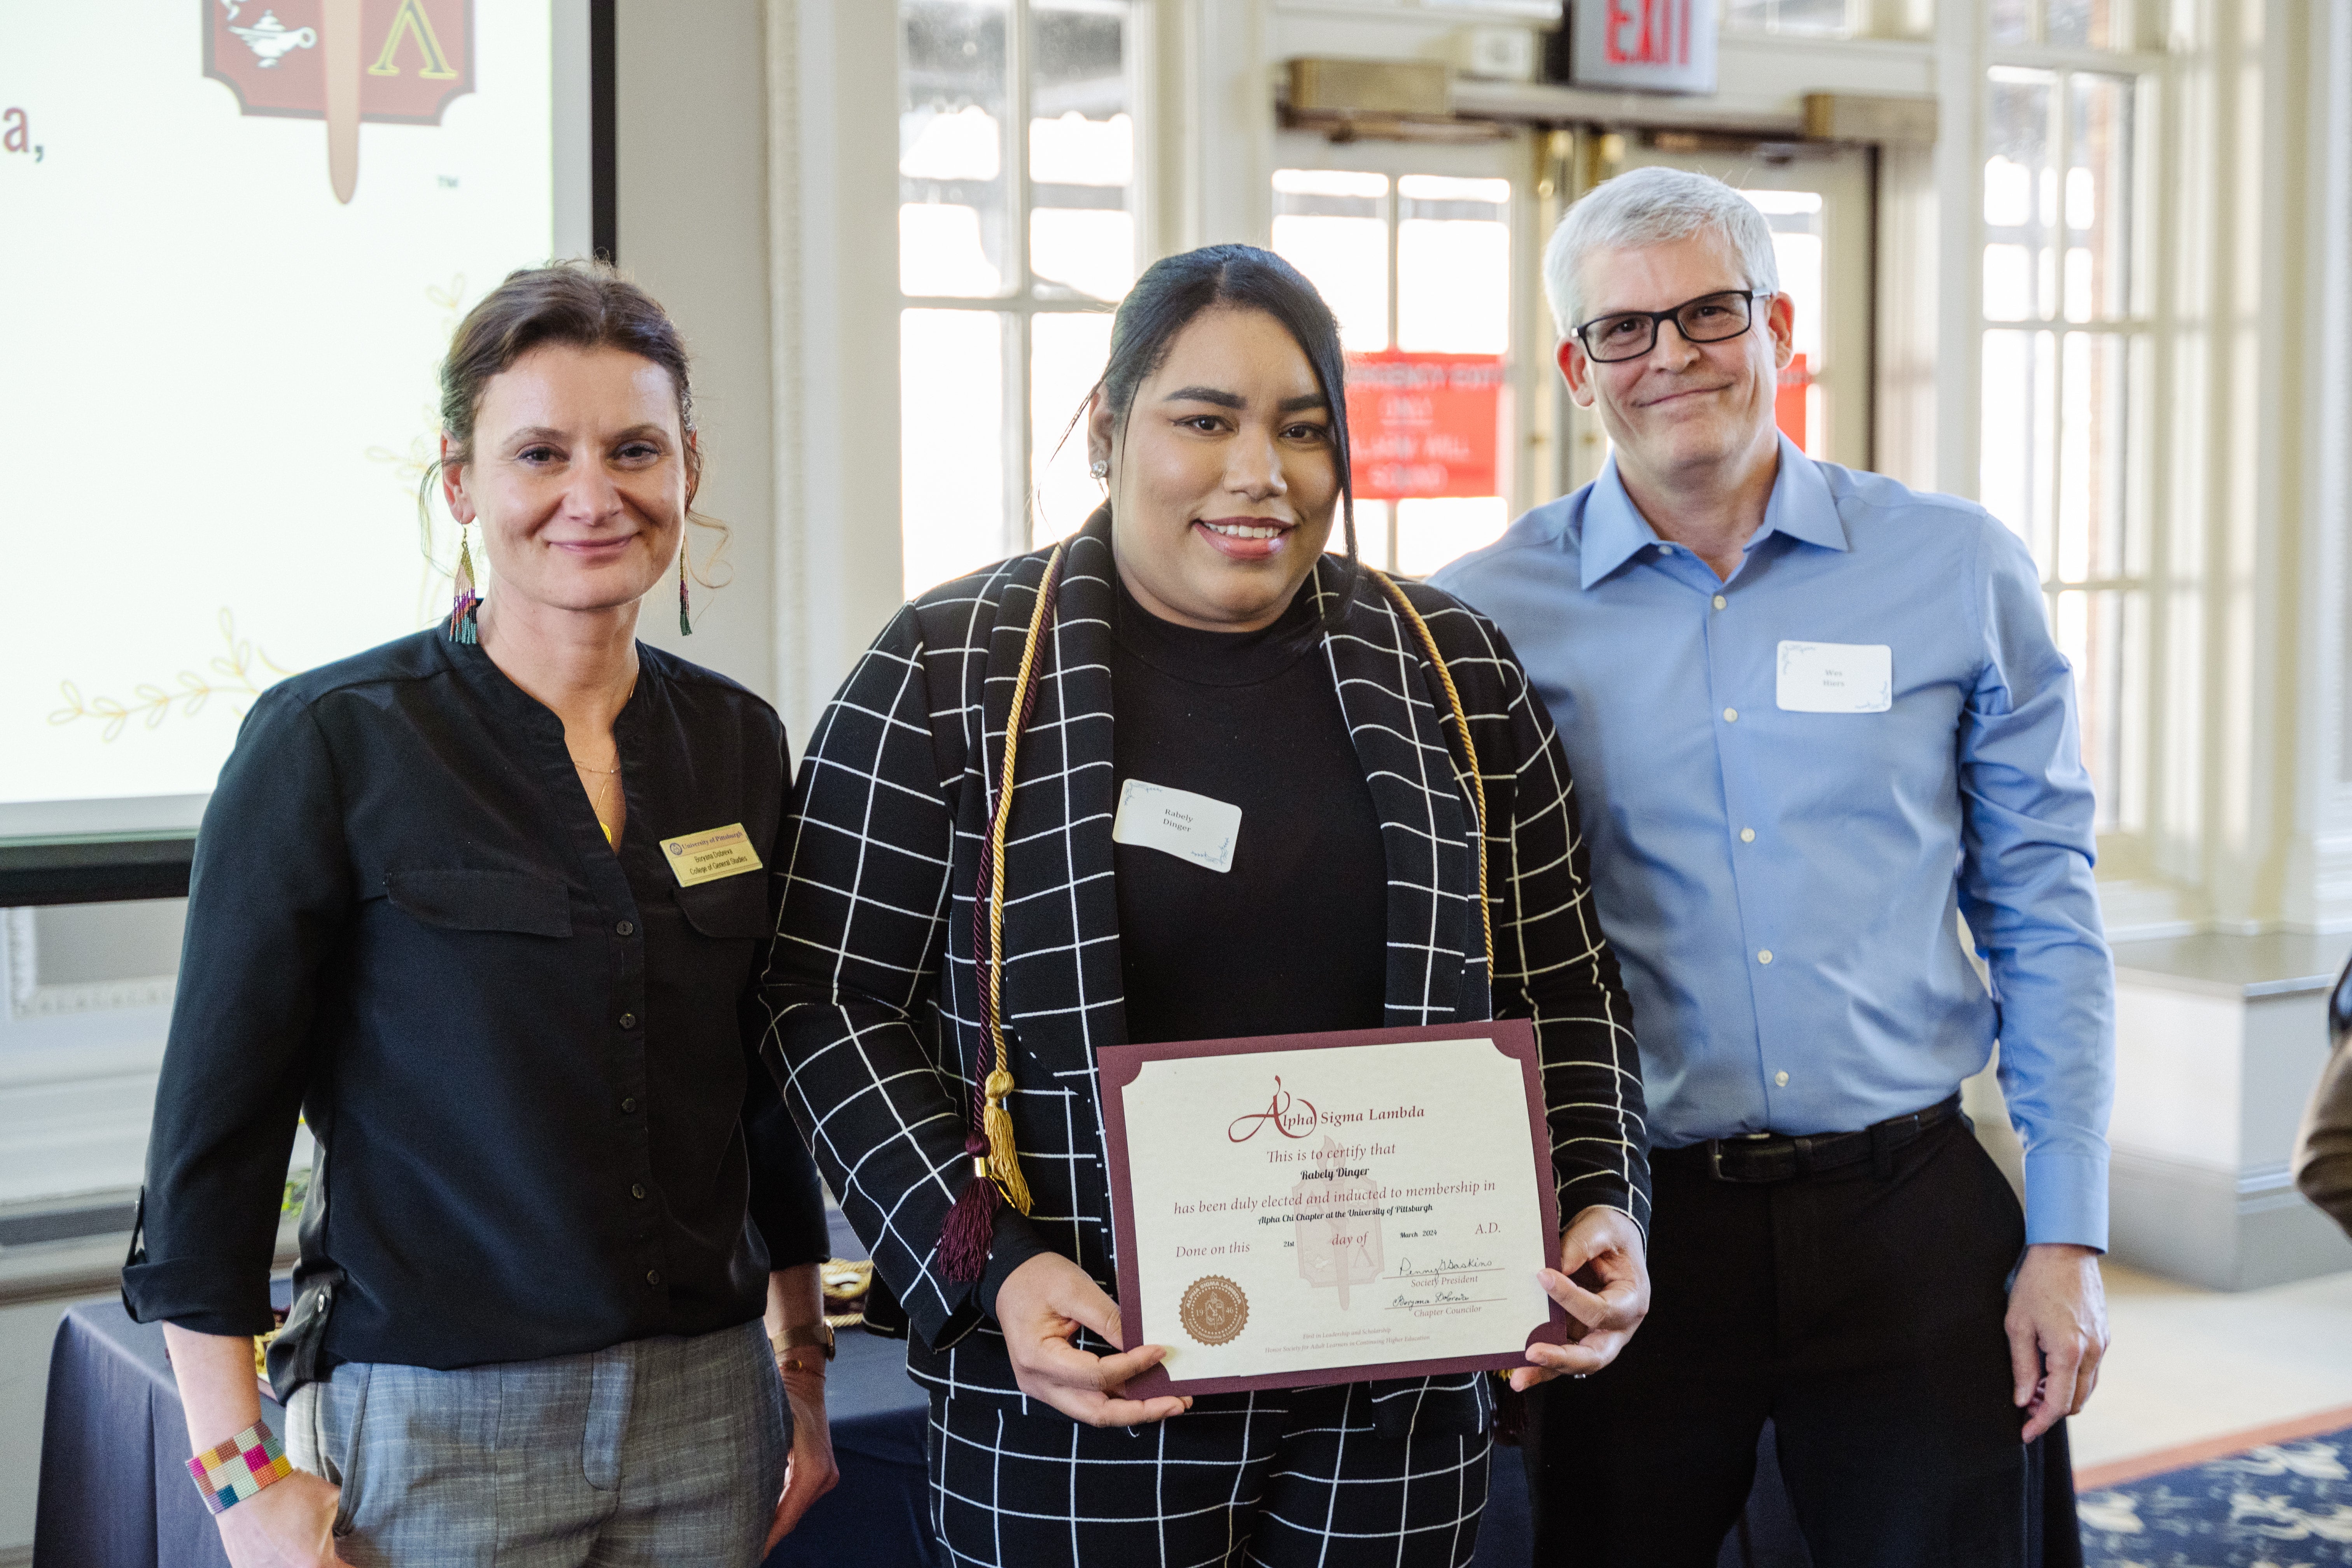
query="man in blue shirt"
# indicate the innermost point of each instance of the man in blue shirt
(1814, 716)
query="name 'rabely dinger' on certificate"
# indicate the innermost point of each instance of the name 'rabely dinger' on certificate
(1309, 1209)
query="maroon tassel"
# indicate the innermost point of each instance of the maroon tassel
(1510, 1413)
(971, 1223)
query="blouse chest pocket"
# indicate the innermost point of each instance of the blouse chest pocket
(468, 899)
(734, 909)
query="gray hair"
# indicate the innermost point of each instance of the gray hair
(1653, 206)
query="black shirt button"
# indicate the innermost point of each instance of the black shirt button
(626, 929)
(653, 1276)
(637, 1191)
(630, 1104)
(628, 1020)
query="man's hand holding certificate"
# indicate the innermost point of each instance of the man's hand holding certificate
(1317, 1209)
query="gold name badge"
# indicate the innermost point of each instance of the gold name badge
(700, 858)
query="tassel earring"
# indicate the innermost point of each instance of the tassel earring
(685, 626)
(462, 628)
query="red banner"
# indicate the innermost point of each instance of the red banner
(1424, 426)
(413, 55)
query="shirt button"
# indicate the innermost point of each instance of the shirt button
(1731, 715)
(1747, 835)
(1782, 1079)
(639, 1191)
(624, 928)
(629, 1104)
(1764, 956)
(628, 1020)
(1720, 601)
(653, 1276)
(1666, 550)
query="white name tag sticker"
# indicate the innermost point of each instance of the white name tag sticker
(1835, 678)
(1189, 827)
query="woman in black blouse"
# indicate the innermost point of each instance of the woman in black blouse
(485, 904)
(1193, 636)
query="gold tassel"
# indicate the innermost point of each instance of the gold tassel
(1003, 1159)
(1003, 1163)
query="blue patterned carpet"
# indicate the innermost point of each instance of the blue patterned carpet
(2284, 1506)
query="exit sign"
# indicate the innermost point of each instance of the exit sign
(1662, 46)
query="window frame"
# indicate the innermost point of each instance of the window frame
(1518, 156)
(2153, 670)
(1022, 304)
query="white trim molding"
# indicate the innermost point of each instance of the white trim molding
(30, 997)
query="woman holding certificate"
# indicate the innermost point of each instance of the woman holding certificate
(1186, 777)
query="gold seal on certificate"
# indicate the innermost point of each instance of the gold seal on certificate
(1322, 1208)
(1213, 1309)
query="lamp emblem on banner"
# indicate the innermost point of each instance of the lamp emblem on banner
(1423, 426)
(396, 62)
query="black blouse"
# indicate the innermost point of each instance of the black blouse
(529, 1062)
(1293, 938)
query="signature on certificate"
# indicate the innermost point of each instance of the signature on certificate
(1405, 1269)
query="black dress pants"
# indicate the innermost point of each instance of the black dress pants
(1861, 1312)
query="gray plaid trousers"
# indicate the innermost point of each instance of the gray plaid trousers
(655, 1451)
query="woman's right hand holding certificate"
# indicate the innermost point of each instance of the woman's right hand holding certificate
(1606, 1244)
(1041, 1307)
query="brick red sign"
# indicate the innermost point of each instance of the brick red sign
(1424, 426)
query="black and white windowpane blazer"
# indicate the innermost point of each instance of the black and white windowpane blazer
(871, 986)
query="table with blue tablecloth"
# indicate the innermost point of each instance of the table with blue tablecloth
(114, 1489)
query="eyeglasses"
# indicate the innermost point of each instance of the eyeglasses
(1630, 335)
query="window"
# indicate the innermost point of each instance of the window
(1803, 19)
(1420, 263)
(1017, 235)
(2066, 351)
(1796, 220)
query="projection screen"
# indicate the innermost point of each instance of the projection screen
(239, 236)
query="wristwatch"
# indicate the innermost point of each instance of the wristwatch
(816, 1335)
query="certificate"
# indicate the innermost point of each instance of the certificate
(1303, 1209)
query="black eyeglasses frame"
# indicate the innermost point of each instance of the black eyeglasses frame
(1747, 297)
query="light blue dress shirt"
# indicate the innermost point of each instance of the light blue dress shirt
(1780, 885)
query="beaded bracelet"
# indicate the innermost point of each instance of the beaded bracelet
(239, 1467)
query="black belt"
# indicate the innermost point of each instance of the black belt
(1763, 1157)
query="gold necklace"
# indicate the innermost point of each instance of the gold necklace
(603, 797)
(604, 792)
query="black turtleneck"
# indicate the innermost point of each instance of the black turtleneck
(1294, 937)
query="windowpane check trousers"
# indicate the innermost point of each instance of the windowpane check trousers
(1280, 1479)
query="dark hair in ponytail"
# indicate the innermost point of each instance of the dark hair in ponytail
(1176, 288)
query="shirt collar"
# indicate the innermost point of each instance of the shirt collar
(1800, 506)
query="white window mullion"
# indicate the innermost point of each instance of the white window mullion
(1019, 485)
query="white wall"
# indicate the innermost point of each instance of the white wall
(691, 162)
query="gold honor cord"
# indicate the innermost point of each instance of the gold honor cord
(1003, 1161)
(1469, 751)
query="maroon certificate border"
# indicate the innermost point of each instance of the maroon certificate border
(1116, 1067)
